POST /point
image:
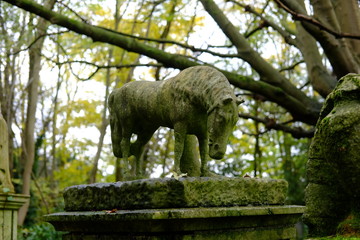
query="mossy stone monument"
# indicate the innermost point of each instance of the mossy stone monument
(199, 102)
(333, 169)
(10, 202)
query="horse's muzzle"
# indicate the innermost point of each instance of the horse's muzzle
(215, 152)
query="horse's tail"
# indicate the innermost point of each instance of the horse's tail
(115, 126)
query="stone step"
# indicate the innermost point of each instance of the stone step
(225, 223)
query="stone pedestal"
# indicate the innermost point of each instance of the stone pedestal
(188, 208)
(218, 223)
(9, 206)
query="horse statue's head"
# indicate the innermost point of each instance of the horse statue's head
(222, 118)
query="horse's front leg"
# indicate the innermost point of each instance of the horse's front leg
(116, 135)
(204, 150)
(180, 134)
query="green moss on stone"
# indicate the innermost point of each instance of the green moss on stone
(171, 193)
(333, 168)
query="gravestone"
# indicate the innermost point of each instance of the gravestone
(333, 168)
(10, 202)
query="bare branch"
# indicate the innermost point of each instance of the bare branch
(183, 45)
(117, 66)
(74, 12)
(287, 37)
(98, 67)
(263, 24)
(291, 67)
(306, 18)
(37, 39)
(270, 123)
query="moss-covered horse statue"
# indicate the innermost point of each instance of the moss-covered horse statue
(198, 101)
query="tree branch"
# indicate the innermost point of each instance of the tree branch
(74, 12)
(98, 67)
(339, 55)
(306, 18)
(287, 37)
(270, 123)
(117, 66)
(291, 67)
(37, 39)
(183, 45)
(267, 72)
(302, 108)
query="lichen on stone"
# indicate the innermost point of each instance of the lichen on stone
(333, 169)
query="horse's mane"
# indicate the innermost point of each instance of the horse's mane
(202, 85)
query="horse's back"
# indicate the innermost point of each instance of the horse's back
(142, 102)
(134, 93)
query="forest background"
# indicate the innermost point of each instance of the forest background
(282, 56)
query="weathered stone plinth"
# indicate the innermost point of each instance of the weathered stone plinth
(218, 223)
(9, 206)
(172, 193)
(188, 208)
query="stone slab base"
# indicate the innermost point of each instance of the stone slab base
(9, 206)
(172, 193)
(251, 222)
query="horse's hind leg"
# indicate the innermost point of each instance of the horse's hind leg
(180, 134)
(125, 149)
(116, 135)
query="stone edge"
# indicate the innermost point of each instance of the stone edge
(179, 213)
(13, 201)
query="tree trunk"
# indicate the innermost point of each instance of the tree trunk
(286, 158)
(320, 79)
(29, 144)
(29, 130)
(348, 14)
(336, 49)
(104, 124)
(54, 164)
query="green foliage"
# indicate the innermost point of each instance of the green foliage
(72, 173)
(40, 231)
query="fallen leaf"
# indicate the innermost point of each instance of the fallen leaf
(111, 211)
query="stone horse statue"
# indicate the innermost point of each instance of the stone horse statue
(198, 101)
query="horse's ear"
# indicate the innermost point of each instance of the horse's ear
(239, 100)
